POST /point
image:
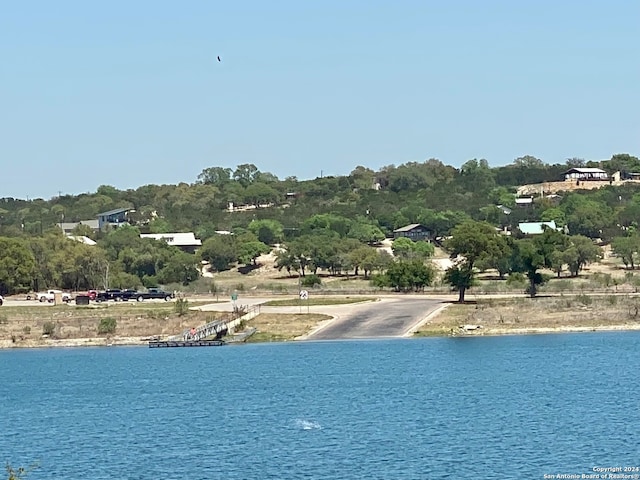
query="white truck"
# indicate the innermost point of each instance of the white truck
(50, 296)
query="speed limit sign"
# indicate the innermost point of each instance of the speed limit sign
(304, 295)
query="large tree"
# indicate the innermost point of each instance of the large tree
(17, 265)
(469, 242)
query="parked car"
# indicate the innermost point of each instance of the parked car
(154, 293)
(1, 300)
(50, 296)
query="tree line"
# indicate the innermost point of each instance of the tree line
(327, 224)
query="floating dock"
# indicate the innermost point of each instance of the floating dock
(186, 343)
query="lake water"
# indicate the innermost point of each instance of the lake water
(461, 408)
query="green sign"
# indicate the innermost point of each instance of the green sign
(234, 296)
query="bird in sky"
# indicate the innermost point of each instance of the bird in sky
(219, 58)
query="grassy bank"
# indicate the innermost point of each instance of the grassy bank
(26, 326)
(317, 301)
(541, 314)
(277, 327)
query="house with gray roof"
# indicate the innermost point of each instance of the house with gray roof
(414, 231)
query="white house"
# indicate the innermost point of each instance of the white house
(186, 241)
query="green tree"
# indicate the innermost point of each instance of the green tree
(181, 267)
(248, 252)
(245, 174)
(580, 253)
(365, 232)
(470, 241)
(218, 176)
(268, 231)
(627, 249)
(17, 265)
(409, 275)
(533, 260)
(219, 251)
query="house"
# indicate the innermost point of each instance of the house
(585, 174)
(113, 218)
(504, 210)
(68, 227)
(524, 201)
(186, 241)
(537, 228)
(414, 232)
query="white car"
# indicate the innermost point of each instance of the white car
(1, 300)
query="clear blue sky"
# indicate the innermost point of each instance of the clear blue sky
(129, 93)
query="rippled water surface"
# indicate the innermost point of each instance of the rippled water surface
(508, 407)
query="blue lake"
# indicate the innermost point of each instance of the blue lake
(498, 407)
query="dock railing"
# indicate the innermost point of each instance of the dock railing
(221, 326)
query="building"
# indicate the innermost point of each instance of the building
(113, 218)
(524, 201)
(414, 232)
(537, 228)
(186, 241)
(68, 227)
(585, 174)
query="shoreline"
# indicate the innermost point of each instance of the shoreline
(140, 342)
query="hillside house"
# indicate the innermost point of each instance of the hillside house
(113, 218)
(68, 227)
(524, 201)
(414, 232)
(585, 174)
(184, 241)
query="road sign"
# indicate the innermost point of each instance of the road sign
(234, 296)
(304, 295)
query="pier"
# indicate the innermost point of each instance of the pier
(186, 343)
(210, 334)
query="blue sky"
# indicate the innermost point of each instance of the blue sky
(129, 93)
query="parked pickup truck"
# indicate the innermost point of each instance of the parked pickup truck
(116, 295)
(50, 296)
(154, 293)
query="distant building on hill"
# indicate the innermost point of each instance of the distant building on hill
(414, 232)
(113, 218)
(585, 174)
(69, 227)
(185, 241)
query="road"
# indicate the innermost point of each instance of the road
(388, 317)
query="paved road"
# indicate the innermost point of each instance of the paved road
(385, 318)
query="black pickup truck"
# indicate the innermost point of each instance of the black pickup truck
(116, 295)
(154, 293)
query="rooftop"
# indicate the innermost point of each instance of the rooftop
(184, 239)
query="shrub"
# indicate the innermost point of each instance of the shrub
(584, 299)
(310, 280)
(181, 307)
(48, 328)
(516, 279)
(26, 330)
(107, 325)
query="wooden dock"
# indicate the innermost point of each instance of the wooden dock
(186, 343)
